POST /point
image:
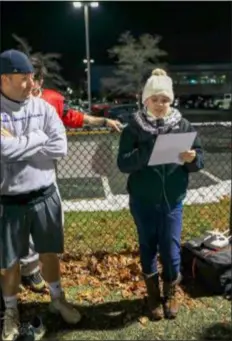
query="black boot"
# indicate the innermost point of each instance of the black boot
(154, 297)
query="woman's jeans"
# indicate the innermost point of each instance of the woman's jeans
(159, 230)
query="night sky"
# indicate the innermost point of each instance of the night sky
(193, 32)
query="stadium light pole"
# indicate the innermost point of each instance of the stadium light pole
(230, 222)
(86, 5)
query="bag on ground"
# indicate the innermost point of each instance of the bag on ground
(212, 268)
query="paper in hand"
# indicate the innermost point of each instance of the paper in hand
(169, 146)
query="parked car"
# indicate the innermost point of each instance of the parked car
(224, 102)
(121, 112)
(98, 107)
(205, 102)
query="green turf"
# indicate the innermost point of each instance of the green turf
(120, 319)
(107, 313)
(115, 231)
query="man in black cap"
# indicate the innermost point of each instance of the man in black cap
(71, 118)
(32, 138)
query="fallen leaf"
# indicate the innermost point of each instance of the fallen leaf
(143, 320)
(125, 293)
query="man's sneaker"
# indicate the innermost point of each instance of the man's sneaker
(31, 331)
(35, 282)
(35, 330)
(65, 309)
(11, 325)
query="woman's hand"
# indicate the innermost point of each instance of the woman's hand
(188, 156)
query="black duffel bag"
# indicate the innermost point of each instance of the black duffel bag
(211, 268)
(1, 302)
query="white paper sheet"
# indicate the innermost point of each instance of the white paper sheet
(168, 147)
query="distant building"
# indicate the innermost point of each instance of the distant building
(204, 79)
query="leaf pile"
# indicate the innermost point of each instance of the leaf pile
(96, 277)
(103, 274)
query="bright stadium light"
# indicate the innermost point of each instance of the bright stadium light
(94, 4)
(77, 4)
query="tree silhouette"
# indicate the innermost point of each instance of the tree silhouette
(50, 60)
(135, 59)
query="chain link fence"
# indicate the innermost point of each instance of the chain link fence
(95, 199)
(100, 268)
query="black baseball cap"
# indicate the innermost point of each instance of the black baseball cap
(15, 62)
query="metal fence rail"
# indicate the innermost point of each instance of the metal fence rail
(95, 199)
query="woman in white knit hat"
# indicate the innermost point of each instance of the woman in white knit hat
(157, 192)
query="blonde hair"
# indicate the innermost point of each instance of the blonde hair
(158, 72)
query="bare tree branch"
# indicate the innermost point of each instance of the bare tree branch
(50, 61)
(23, 44)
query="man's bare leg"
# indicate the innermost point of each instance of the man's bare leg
(51, 273)
(10, 280)
(50, 267)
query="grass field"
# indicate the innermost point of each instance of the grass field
(108, 289)
(115, 231)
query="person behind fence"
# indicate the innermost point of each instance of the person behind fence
(30, 270)
(72, 118)
(156, 193)
(32, 138)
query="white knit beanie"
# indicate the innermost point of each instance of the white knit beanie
(158, 84)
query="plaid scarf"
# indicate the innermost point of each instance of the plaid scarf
(151, 124)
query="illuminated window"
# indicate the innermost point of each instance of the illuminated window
(204, 78)
(212, 80)
(193, 81)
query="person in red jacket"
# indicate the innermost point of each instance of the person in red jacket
(71, 118)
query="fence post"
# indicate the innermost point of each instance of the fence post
(231, 213)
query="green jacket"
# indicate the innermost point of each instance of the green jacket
(159, 184)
